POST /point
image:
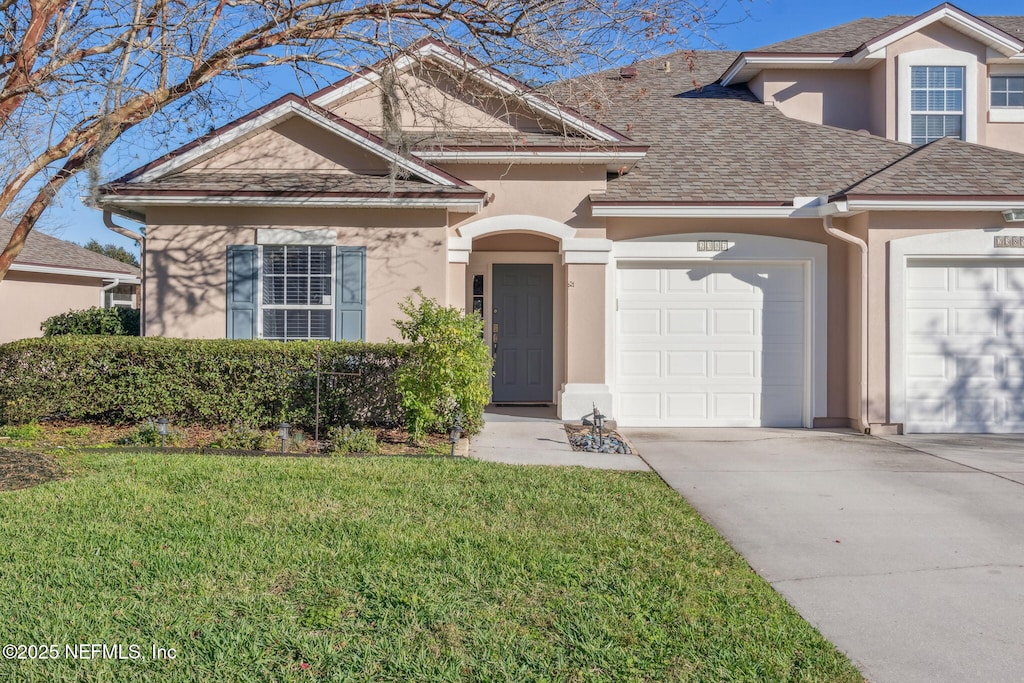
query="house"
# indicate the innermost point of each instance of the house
(51, 276)
(822, 232)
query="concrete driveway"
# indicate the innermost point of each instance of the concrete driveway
(907, 553)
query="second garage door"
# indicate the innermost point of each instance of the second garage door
(711, 345)
(964, 346)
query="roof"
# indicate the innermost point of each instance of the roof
(849, 37)
(511, 140)
(43, 250)
(948, 167)
(701, 139)
(286, 184)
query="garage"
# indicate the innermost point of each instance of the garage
(712, 344)
(964, 362)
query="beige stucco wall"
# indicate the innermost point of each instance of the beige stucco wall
(869, 99)
(437, 102)
(883, 228)
(27, 299)
(294, 145)
(559, 192)
(839, 401)
(834, 98)
(186, 261)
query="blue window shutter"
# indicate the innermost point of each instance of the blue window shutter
(243, 273)
(350, 293)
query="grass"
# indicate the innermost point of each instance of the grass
(385, 569)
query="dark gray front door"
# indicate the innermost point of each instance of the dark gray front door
(521, 330)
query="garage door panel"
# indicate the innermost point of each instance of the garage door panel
(640, 322)
(721, 325)
(686, 321)
(686, 406)
(688, 364)
(641, 364)
(734, 321)
(734, 364)
(740, 406)
(975, 321)
(964, 362)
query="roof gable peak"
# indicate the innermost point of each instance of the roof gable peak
(272, 114)
(430, 49)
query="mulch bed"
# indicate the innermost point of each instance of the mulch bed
(20, 470)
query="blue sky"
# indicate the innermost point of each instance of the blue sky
(743, 26)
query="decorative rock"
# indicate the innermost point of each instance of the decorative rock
(590, 442)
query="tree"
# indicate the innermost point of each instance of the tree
(78, 74)
(118, 253)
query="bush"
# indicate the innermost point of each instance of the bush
(247, 439)
(105, 321)
(348, 440)
(123, 380)
(449, 373)
(149, 435)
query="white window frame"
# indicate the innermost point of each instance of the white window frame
(937, 57)
(1004, 114)
(311, 307)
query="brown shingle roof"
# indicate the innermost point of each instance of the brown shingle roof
(43, 250)
(291, 183)
(850, 36)
(719, 144)
(948, 167)
(512, 139)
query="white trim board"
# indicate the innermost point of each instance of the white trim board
(743, 248)
(76, 272)
(943, 246)
(318, 202)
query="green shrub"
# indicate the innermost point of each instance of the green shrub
(28, 432)
(124, 380)
(246, 438)
(106, 321)
(148, 434)
(449, 373)
(349, 440)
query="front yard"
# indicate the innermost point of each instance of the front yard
(383, 569)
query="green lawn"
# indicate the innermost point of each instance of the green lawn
(385, 569)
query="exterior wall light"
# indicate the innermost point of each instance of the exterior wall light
(283, 431)
(161, 428)
(1013, 215)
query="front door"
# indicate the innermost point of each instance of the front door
(521, 330)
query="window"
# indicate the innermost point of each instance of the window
(297, 284)
(936, 103)
(286, 291)
(1007, 92)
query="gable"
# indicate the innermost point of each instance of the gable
(438, 88)
(431, 100)
(292, 144)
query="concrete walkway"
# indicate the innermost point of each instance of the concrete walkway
(535, 436)
(910, 562)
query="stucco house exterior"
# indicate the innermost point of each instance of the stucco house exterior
(53, 276)
(821, 232)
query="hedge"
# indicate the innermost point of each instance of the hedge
(202, 382)
(109, 321)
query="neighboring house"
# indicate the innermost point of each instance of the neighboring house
(51, 276)
(655, 240)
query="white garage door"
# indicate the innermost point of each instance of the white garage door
(710, 345)
(964, 347)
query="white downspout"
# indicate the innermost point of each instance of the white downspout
(851, 239)
(107, 288)
(108, 220)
